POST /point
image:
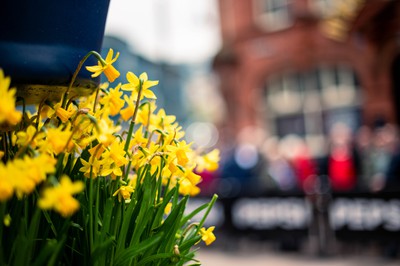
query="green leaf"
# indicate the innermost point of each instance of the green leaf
(132, 251)
(194, 213)
(151, 258)
(46, 252)
(171, 225)
(160, 212)
(100, 249)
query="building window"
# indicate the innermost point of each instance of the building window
(322, 8)
(272, 15)
(308, 104)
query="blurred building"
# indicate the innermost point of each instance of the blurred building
(299, 66)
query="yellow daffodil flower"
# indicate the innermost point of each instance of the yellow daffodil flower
(23, 175)
(64, 114)
(37, 168)
(91, 168)
(162, 121)
(209, 161)
(128, 111)
(144, 117)
(192, 177)
(97, 151)
(60, 197)
(124, 192)
(113, 100)
(138, 138)
(188, 188)
(207, 235)
(6, 184)
(58, 140)
(107, 130)
(181, 151)
(26, 137)
(106, 67)
(117, 153)
(135, 83)
(108, 167)
(8, 113)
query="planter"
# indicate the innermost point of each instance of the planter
(42, 42)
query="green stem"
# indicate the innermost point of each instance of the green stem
(211, 204)
(32, 233)
(95, 99)
(126, 174)
(132, 124)
(91, 210)
(148, 117)
(98, 56)
(96, 214)
(47, 217)
(5, 147)
(2, 213)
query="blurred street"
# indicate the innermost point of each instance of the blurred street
(211, 257)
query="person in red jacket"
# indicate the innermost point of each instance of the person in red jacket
(341, 163)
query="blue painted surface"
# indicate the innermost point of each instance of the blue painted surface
(42, 41)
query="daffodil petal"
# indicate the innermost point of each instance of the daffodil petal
(128, 87)
(150, 83)
(109, 55)
(132, 78)
(143, 76)
(149, 94)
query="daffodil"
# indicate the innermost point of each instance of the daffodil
(207, 235)
(64, 114)
(91, 168)
(105, 135)
(145, 114)
(26, 137)
(188, 188)
(138, 138)
(106, 67)
(8, 113)
(116, 153)
(6, 184)
(60, 197)
(124, 192)
(192, 177)
(141, 82)
(22, 175)
(113, 100)
(128, 111)
(38, 167)
(58, 140)
(180, 150)
(209, 161)
(108, 167)
(162, 121)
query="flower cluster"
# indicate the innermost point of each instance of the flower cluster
(111, 154)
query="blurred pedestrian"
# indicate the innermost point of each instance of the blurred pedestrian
(341, 164)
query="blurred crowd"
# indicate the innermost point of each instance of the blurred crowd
(367, 160)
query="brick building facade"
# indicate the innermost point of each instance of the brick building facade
(300, 65)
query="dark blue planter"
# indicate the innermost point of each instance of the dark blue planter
(42, 42)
